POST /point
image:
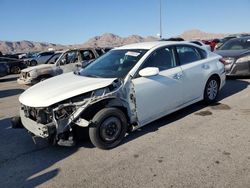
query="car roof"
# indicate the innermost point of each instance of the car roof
(150, 45)
(242, 39)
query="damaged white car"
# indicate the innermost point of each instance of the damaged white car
(123, 90)
(59, 63)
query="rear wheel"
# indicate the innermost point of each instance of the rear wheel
(211, 90)
(110, 126)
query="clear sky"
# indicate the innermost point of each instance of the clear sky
(75, 21)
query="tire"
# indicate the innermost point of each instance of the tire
(211, 90)
(45, 77)
(110, 127)
(33, 63)
(15, 70)
(16, 122)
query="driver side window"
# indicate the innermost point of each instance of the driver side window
(161, 58)
(69, 57)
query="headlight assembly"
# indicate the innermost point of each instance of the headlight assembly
(243, 59)
(63, 112)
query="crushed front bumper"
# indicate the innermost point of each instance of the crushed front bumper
(43, 131)
(22, 81)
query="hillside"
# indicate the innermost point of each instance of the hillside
(105, 40)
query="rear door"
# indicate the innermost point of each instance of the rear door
(192, 61)
(158, 95)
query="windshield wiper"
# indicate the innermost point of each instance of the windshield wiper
(91, 75)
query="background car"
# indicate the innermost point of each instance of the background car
(212, 43)
(4, 69)
(39, 58)
(236, 53)
(59, 63)
(200, 43)
(229, 37)
(15, 65)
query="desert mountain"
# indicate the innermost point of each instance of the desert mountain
(197, 34)
(105, 40)
(26, 46)
(111, 40)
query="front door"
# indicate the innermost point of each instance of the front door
(158, 95)
(69, 61)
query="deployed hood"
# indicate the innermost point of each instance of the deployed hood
(38, 67)
(231, 53)
(60, 88)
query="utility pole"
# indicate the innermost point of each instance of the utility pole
(160, 21)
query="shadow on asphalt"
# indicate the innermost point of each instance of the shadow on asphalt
(26, 160)
(22, 161)
(10, 92)
(8, 79)
(232, 86)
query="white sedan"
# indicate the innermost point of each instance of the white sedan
(123, 90)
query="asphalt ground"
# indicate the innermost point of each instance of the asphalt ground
(199, 146)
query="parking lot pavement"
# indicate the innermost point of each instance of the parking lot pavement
(199, 146)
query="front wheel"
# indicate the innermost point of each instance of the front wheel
(211, 90)
(109, 128)
(33, 63)
(15, 70)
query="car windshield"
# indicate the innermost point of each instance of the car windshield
(236, 44)
(54, 58)
(114, 64)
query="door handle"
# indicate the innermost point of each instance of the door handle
(177, 76)
(205, 66)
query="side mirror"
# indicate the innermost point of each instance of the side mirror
(149, 71)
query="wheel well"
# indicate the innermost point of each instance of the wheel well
(90, 111)
(44, 76)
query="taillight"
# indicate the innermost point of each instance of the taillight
(223, 61)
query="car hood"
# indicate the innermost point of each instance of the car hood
(231, 53)
(60, 88)
(38, 67)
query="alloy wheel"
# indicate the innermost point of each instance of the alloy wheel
(212, 89)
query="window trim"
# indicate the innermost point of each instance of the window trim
(136, 75)
(198, 49)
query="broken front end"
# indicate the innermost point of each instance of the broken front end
(58, 122)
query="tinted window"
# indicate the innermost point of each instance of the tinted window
(54, 58)
(100, 52)
(46, 53)
(162, 58)
(188, 54)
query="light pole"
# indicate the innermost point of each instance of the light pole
(160, 21)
